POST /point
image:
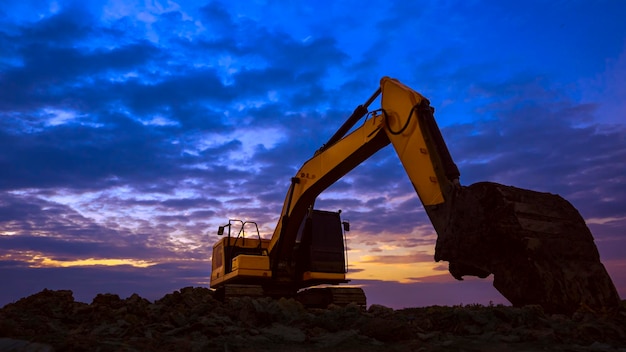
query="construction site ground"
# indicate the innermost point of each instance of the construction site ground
(192, 320)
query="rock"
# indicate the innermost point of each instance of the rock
(108, 300)
(380, 311)
(284, 333)
(536, 245)
(333, 340)
(182, 320)
(12, 345)
(599, 346)
(385, 330)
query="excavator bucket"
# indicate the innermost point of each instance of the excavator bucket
(537, 246)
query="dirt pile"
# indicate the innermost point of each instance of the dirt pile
(192, 320)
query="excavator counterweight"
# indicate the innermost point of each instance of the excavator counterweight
(536, 245)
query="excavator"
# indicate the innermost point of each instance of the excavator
(537, 245)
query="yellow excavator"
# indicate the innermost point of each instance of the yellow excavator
(536, 244)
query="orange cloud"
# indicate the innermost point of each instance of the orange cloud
(398, 259)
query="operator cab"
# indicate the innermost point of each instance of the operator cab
(320, 245)
(238, 258)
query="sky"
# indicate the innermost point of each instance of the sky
(130, 130)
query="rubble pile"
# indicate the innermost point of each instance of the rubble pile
(192, 320)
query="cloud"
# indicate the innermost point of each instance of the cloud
(35, 228)
(398, 259)
(538, 141)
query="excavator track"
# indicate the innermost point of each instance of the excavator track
(537, 246)
(228, 292)
(318, 297)
(322, 297)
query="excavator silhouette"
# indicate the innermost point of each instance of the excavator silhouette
(536, 245)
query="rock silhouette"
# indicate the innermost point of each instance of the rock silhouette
(192, 320)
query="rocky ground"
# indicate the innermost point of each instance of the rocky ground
(192, 320)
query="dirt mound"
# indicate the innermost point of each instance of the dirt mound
(192, 320)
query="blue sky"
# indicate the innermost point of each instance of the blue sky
(129, 130)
